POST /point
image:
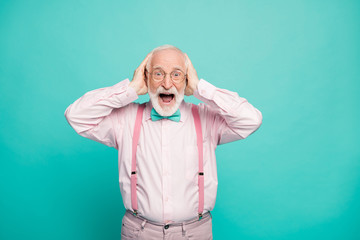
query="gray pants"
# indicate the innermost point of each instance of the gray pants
(136, 227)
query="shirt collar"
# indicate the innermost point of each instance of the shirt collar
(182, 107)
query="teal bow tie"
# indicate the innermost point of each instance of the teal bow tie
(175, 117)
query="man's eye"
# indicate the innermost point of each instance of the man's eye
(176, 74)
(158, 74)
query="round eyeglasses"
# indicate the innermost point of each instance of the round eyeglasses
(177, 76)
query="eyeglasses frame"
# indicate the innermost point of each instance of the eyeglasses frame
(165, 73)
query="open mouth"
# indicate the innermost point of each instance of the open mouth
(166, 98)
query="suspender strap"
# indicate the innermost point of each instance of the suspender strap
(135, 141)
(199, 141)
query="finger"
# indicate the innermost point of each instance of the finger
(143, 63)
(190, 63)
(188, 58)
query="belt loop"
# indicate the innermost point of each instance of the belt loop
(143, 224)
(183, 229)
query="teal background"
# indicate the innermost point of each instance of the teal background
(297, 177)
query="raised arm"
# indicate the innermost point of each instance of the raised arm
(226, 116)
(97, 114)
(92, 115)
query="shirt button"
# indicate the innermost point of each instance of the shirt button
(166, 226)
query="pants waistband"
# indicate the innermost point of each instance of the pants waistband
(189, 223)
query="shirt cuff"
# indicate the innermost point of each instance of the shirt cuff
(205, 90)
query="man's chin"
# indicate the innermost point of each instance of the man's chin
(166, 110)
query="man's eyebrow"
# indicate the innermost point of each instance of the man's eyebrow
(176, 67)
(157, 66)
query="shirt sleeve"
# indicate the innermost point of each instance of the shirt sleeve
(228, 117)
(95, 113)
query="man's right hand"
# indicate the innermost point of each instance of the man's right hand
(139, 79)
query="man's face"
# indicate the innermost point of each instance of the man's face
(166, 95)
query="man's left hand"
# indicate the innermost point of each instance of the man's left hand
(192, 78)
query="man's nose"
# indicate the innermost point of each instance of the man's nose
(167, 83)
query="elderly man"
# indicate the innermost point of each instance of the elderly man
(167, 166)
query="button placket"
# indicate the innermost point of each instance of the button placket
(166, 166)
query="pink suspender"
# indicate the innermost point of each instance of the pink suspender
(199, 140)
(136, 136)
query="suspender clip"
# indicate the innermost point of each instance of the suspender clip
(135, 213)
(134, 172)
(200, 216)
(201, 173)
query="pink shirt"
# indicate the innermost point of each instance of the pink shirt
(167, 159)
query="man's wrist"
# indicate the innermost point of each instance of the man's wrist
(196, 84)
(133, 86)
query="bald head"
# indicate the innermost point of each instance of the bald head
(168, 55)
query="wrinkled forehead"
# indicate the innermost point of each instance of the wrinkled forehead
(168, 60)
